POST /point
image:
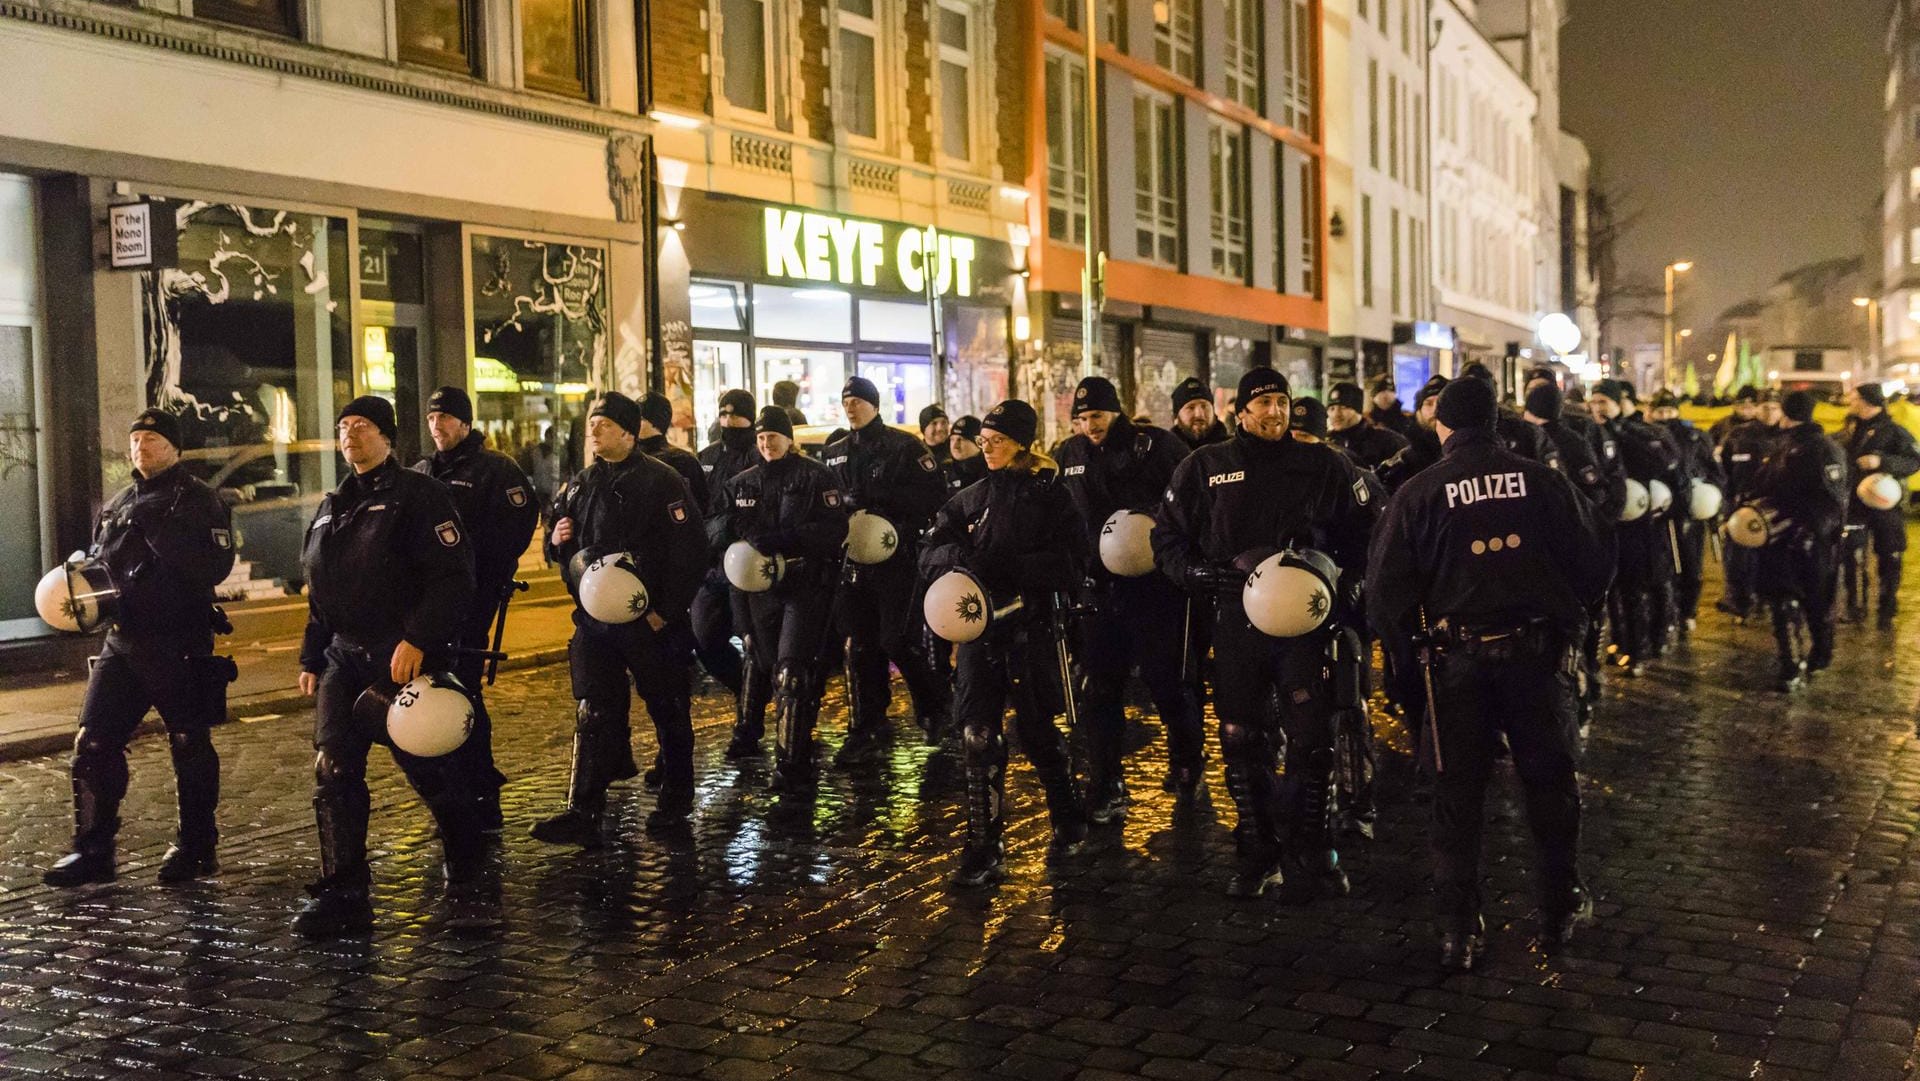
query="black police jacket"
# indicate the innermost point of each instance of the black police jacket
(1526, 440)
(1746, 446)
(1421, 451)
(1011, 532)
(1805, 478)
(1697, 460)
(1894, 444)
(1248, 495)
(684, 463)
(733, 453)
(1605, 492)
(1130, 470)
(1486, 537)
(496, 504)
(639, 505)
(167, 540)
(1394, 419)
(1369, 442)
(386, 559)
(1647, 450)
(961, 472)
(885, 471)
(789, 507)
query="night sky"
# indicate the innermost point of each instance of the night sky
(1748, 131)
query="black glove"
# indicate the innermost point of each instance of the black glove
(1214, 578)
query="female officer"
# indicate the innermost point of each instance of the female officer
(1014, 532)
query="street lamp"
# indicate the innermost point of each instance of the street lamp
(1873, 333)
(1667, 347)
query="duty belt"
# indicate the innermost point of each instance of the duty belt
(1503, 641)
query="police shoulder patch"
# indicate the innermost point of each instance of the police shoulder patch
(677, 510)
(1834, 472)
(223, 538)
(517, 496)
(831, 497)
(448, 532)
(927, 463)
(1589, 475)
(1361, 492)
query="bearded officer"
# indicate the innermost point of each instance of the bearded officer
(389, 583)
(627, 502)
(1494, 562)
(1423, 446)
(712, 613)
(1229, 507)
(887, 472)
(1351, 430)
(1193, 418)
(1115, 466)
(166, 539)
(495, 501)
(1803, 482)
(1876, 443)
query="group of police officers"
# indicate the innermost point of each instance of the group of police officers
(1482, 545)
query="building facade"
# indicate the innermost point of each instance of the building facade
(1898, 310)
(251, 210)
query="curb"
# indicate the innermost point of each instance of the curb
(280, 700)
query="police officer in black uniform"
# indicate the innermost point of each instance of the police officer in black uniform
(1745, 444)
(1803, 483)
(1697, 465)
(1113, 466)
(1876, 443)
(964, 465)
(712, 614)
(935, 431)
(389, 583)
(789, 506)
(1493, 562)
(496, 504)
(166, 540)
(1643, 590)
(1008, 532)
(887, 472)
(1229, 507)
(1193, 419)
(1423, 446)
(1349, 428)
(1386, 410)
(1516, 434)
(632, 502)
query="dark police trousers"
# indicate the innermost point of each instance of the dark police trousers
(602, 658)
(713, 629)
(1887, 529)
(1136, 621)
(1741, 565)
(129, 677)
(1798, 580)
(1017, 666)
(786, 627)
(1643, 590)
(342, 742)
(1692, 538)
(1269, 692)
(876, 614)
(1528, 695)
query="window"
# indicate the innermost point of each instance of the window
(1913, 246)
(438, 33)
(1393, 218)
(1173, 32)
(743, 54)
(1227, 219)
(1309, 230)
(1244, 57)
(1066, 148)
(956, 81)
(1393, 127)
(1366, 251)
(1298, 111)
(1373, 113)
(1913, 124)
(553, 45)
(1406, 28)
(273, 16)
(1913, 183)
(1156, 179)
(1417, 135)
(857, 70)
(1383, 15)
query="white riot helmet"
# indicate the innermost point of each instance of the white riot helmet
(1753, 525)
(751, 570)
(870, 538)
(1704, 501)
(1659, 496)
(1126, 548)
(430, 716)
(1881, 491)
(611, 590)
(958, 608)
(78, 596)
(1638, 501)
(1290, 593)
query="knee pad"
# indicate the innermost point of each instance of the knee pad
(332, 771)
(790, 680)
(95, 757)
(591, 717)
(1238, 740)
(190, 743)
(980, 739)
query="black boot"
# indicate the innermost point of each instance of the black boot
(463, 839)
(750, 711)
(671, 809)
(95, 823)
(1314, 870)
(931, 694)
(1462, 944)
(1889, 566)
(579, 824)
(1258, 866)
(795, 708)
(338, 906)
(1792, 670)
(984, 860)
(867, 698)
(196, 773)
(1107, 801)
(1568, 910)
(1066, 810)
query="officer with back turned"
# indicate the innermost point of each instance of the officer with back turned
(1492, 562)
(389, 581)
(1802, 487)
(167, 541)
(1876, 443)
(496, 503)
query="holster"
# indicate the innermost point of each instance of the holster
(210, 676)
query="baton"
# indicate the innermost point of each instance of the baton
(1719, 547)
(1673, 544)
(1061, 613)
(494, 656)
(1186, 642)
(1426, 676)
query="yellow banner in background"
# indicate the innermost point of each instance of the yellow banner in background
(1829, 416)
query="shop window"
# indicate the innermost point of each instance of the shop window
(956, 80)
(1066, 148)
(805, 315)
(1174, 26)
(896, 321)
(437, 33)
(1157, 161)
(718, 305)
(978, 375)
(744, 43)
(539, 340)
(1244, 55)
(819, 373)
(272, 16)
(1226, 166)
(857, 70)
(554, 46)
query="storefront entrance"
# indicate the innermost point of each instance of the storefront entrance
(20, 508)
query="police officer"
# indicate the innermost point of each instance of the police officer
(964, 465)
(1743, 447)
(1605, 491)
(1386, 411)
(1697, 465)
(1803, 482)
(1876, 443)
(712, 613)
(1193, 419)
(1746, 410)
(631, 502)
(496, 504)
(1492, 560)
(1230, 506)
(389, 583)
(1118, 466)
(789, 506)
(1010, 533)
(935, 431)
(1519, 437)
(1643, 590)
(886, 472)
(166, 541)
(1349, 428)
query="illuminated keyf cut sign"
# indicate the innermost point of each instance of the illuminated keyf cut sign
(826, 248)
